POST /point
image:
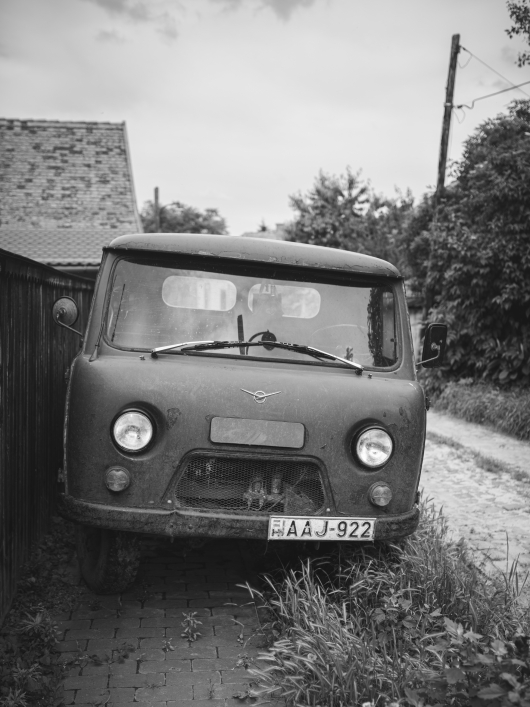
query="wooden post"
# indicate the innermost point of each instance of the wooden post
(157, 212)
(428, 295)
(448, 109)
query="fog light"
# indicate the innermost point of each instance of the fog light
(380, 494)
(117, 478)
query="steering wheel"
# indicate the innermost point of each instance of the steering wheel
(265, 336)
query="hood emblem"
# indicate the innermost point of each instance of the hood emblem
(259, 396)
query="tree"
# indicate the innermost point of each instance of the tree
(520, 16)
(387, 222)
(331, 213)
(180, 218)
(479, 260)
(342, 212)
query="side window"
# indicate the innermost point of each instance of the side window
(388, 343)
(382, 327)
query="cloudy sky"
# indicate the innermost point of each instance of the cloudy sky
(237, 104)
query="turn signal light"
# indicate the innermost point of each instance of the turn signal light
(380, 494)
(117, 479)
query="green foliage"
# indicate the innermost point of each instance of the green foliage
(415, 243)
(190, 625)
(475, 670)
(341, 212)
(520, 16)
(417, 625)
(31, 668)
(180, 218)
(331, 213)
(508, 411)
(479, 256)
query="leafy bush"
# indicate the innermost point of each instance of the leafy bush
(478, 256)
(508, 411)
(417, 624)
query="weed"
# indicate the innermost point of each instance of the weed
(392, 624)
(211, 689)
(190, 624)
(144, 593)
(31, 669)
(122, 652)
(240, 636)
(14, 698)
(167, 645)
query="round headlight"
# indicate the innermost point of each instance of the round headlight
(132, 431)
(374, 447)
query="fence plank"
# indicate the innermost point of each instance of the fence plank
(34, 356)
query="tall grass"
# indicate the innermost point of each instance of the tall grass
(368, 626)
(507, 411)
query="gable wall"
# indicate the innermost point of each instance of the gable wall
(66, 189)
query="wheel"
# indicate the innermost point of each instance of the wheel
(108, 559)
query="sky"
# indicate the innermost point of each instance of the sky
(237, 104)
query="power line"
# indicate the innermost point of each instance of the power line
(489, 95)
(494, 70)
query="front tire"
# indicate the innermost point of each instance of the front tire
(108, 559)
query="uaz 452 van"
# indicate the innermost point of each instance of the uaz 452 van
(245, 388)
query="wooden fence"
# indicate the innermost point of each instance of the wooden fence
(35, 354)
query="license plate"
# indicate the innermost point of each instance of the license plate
(311, 528)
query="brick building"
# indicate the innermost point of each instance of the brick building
(66, 189)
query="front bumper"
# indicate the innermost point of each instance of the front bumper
(203, 525)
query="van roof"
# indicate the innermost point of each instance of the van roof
(256, 250)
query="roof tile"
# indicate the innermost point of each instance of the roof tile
(66, 189)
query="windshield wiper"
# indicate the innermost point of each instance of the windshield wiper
(300, 348)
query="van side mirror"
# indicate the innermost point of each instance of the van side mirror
(433, 346)
(65, 312)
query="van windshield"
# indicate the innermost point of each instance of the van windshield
(154, 304)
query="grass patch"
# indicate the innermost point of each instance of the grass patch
(417, 624)
(507, 411)
(31, 669)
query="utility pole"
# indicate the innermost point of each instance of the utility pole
(448, 109)
(157, 212)
(428, 295)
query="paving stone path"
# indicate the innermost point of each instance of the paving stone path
(129, 649)
(490, 510)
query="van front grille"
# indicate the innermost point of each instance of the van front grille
(264, 486)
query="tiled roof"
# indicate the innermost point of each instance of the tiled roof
(66, 189)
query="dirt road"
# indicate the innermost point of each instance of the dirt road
(488, 507)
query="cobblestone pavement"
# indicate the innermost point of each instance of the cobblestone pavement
(129, 648)
(490, 510)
